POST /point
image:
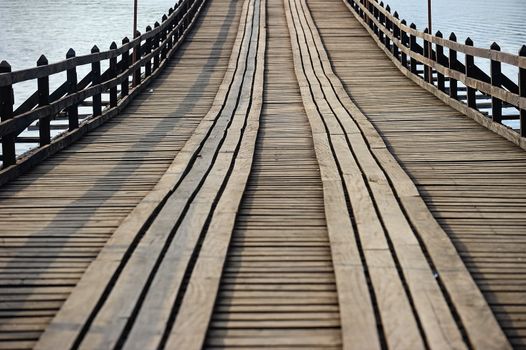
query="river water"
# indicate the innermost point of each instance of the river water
(31, 28)
(484, 21)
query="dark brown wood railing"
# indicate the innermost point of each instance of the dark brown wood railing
(433, 63)
(119, 84)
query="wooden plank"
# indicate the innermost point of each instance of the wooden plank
(282, 200)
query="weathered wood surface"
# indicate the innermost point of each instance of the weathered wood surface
(262, 209)
(56, 219)
(472, 179)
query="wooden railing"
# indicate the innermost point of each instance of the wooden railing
(131, 68)
(434, 63)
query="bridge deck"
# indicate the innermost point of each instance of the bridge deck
(248, 202)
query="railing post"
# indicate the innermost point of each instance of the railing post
(381, 19)
(125, 63)
(44, 128)
(405, 42)
(453, 85)
(375, 14)
(157, 55)
(367, 5)
(387, 41)
(147, 51)
(469, 71)
(441, 60)
(396, 34)
(113, 74)
(169, 32)
(137, 53)
(427, 54)
(496, 80)
(361, 11)
(177, 19)
(73, 111)
(522, 92)
(7, 100)
(186, 18)
(169, 29)
(95, 79)
(412, 46)
(372, 9)
(164, 37)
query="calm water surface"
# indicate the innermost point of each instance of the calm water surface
(34, 27)
(484, 21)
(50, 27)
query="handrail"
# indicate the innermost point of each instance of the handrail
(58, 67)
(400, 42)
(499, 56)
(152, 50)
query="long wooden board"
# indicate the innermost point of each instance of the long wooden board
(278, 289)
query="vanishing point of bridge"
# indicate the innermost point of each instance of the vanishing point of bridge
(278, 174)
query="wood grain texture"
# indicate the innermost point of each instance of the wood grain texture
(268, 208)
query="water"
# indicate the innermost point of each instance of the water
(50, 27)
(484, 21)
(31, 28)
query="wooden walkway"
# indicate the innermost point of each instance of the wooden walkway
(263, 196)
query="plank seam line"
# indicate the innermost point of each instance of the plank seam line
(440, 282)
(381, 333)
(190, 269)
(381, 219)
(175, 338)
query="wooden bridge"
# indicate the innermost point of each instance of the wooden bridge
(278, 174)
